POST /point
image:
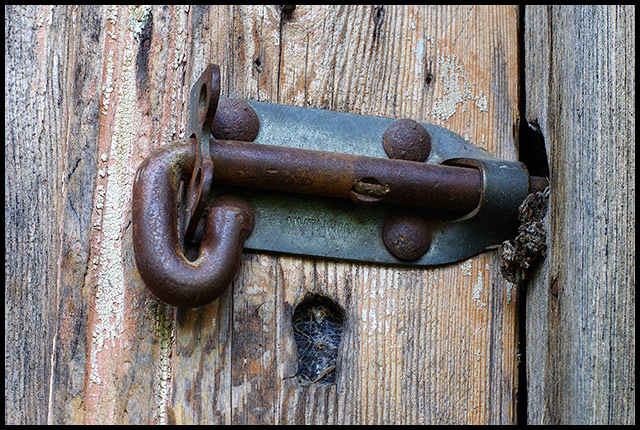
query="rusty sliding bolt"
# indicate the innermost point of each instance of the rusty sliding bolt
(162, 229)
(364, 180)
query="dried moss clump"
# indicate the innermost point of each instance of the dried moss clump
(520, 255)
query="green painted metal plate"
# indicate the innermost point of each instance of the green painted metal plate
(338, 229)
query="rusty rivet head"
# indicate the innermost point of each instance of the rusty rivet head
(235, 120)
(406, 236)
(405, 139)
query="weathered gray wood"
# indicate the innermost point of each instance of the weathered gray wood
(36, 165)
(92, 90)
(580, 89)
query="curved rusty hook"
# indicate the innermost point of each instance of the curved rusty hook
(156, 241)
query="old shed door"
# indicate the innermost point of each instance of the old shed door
(418, 346)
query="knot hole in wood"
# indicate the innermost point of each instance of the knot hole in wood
(318, 324)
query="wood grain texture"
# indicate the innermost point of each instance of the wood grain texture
(43, 215)
(420, 346)
(111, 84)
(580, 89)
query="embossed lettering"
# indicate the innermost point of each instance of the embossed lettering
(314, 227)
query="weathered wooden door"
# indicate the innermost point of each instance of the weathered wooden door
(92, 90)
(418, 346)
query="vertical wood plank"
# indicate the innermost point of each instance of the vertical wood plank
(43, 223)
(26, 398)
(384, 61)
(580, 90)
(81, 98)
(111, 84)
(434, 346)
(143, 105)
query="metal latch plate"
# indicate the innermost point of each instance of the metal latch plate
(331, 228)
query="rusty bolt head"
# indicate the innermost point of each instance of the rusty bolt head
(235, 120)
(405, 139)
(407, 237)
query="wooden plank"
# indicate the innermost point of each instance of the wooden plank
(43, 221)
(580, 90)
(434, 346)
(94, 90)
(84, 41)
(142, 105)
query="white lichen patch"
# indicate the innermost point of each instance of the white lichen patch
(180, 55)
(478, 289)
(112, 14)
(165, 330)
(457, 90)
(48, 17)
(111, 204)
(465, 268)
(481, 102)
(419, 55)
(373, 321)
(180, 37)
(483, 143)
(99, 206)
(107, 88)
(138, 18)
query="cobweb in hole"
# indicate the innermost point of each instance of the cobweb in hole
(317, 329)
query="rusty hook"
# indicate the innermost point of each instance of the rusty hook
(157, 242)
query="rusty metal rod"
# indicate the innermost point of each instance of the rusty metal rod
(365, 180)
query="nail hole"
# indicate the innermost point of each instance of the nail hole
(318, 325)
(257, 65)
(378, 19)
(428, 78)
(287, 9)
